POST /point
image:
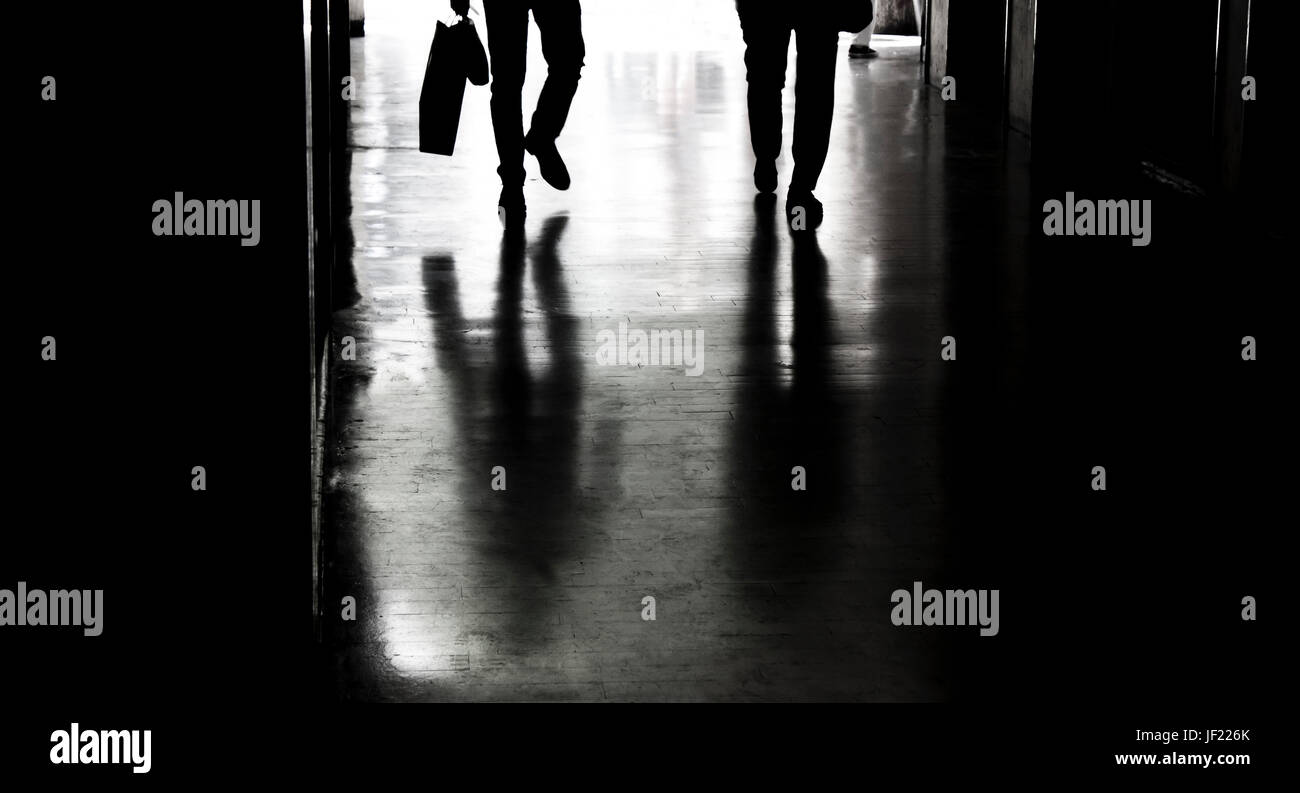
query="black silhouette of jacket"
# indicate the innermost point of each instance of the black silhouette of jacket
(850, 16)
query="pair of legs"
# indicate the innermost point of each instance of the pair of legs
(560, 23)
(767, 29)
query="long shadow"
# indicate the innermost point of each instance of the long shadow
(787, 415)
(519, 413)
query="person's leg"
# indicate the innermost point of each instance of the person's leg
(507, 32)
(814, 104)
(767, 45)
(560, 24)
(861, 46)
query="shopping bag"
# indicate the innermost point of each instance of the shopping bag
(455, 56)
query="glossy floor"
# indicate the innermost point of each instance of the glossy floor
(671, 481)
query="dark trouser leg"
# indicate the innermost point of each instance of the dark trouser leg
(767, 45)
(814, 103)
(507, 29)
(560, 23)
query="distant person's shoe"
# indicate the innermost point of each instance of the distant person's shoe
(549, 160)
(765, 176)
(803, 211)
(861, 51)
(511, 210)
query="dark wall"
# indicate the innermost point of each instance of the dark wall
(1164, 82)
(1072, 78)
(174, 351)
(1265, 159)
(966, 40)
(1121, 83)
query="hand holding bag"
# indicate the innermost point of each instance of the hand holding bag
(456, 55)
(467, 41)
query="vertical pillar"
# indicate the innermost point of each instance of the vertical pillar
(1020, 64)
(937, 42)
(340, 67)
(357, 17)
(322, 211)
(1229, 108)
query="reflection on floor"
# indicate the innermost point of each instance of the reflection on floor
(482, 359)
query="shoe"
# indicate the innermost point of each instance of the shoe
(861, 51)
(803, 211)
(511, 210)
(549, 160)
(765, 176)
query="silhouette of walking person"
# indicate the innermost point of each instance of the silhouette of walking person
(560, 24)
(767, 27)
